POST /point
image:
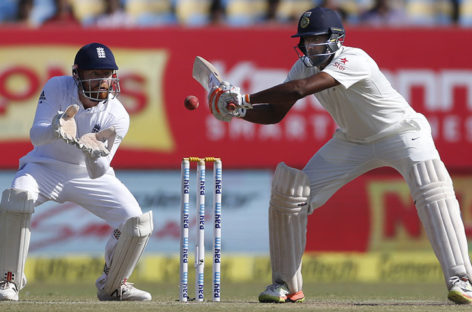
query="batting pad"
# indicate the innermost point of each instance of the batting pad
(133, 239)
(16, 208)
(439, 211)
(287, 225)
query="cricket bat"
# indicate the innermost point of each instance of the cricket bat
(207, 76)
(205, 73)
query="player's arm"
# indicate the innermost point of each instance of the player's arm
(42, 131)
(268, 106)
(280, 99)
(96, 167)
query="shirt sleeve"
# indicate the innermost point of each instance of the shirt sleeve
(42, 131)
(348, 68)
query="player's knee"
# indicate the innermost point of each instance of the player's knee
(290, 190)
(315, 202)
(430, 182)
(17, 201)
(139, 226)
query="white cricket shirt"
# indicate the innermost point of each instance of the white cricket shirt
(58, 93)
(364, 105)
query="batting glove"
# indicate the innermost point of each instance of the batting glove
(227, 102)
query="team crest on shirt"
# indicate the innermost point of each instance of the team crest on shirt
(96, 128)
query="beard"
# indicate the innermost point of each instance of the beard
(103, 95)
(97, 95)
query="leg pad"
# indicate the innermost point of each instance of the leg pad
(134, 236)
(439, 211)
(16, 208)
(287, 225)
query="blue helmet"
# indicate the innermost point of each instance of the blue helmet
(99, 57)
(320, 21)
(95, 56)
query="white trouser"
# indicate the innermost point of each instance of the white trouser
(339, 162)
(414, 155)
(106, 197)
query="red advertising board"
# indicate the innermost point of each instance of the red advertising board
(155, 71)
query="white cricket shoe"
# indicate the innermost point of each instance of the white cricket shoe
(460, 290)
(8, 291)
(279, 293)
(126, 292)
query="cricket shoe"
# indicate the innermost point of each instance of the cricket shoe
(460, 290)
(8, 291)
(278, 293)
(126, 292)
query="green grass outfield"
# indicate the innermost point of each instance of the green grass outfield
(340, 296)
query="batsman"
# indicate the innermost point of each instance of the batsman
(78, 126)
(376, 128)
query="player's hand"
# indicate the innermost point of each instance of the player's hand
(64, 124)
(221, 98)
(93, 144)
(226, 102)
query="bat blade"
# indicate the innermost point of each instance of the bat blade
(205, 73)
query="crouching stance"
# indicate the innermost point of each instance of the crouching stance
(16, 208)
(77, 129)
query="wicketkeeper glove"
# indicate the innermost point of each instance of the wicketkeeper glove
(64, 124)
(91, 144)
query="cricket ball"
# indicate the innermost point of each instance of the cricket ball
(191, 102)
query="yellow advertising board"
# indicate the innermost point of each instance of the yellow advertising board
(24, 69)
(323, 267)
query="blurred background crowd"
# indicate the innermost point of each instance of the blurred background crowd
(234, 13)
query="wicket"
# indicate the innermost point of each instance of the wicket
(200, 234)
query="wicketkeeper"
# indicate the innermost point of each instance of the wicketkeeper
(78, 126)
(377, 128)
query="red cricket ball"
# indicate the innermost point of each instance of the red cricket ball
(191, 102)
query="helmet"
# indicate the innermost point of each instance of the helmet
(95, 56)
(315, 22)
